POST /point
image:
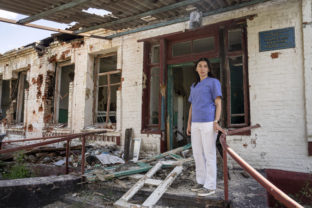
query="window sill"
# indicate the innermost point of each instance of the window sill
(246, 133)
(150, 131)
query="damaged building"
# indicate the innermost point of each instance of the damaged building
(137, 69)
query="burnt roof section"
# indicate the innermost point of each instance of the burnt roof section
(67, 11)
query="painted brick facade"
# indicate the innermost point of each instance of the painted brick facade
(279, 88)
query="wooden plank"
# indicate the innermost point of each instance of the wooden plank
(131, 192)
(115, 84)
(170, 93)
(124, 173)
(128, 135)
(108, 98)
(162, 188)
(174, 151)
(110, 72)
(51, 11)
(20, 97)
(153, 182)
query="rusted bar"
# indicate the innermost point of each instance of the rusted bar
(83, 154)
(67, 155)
(30, 146)
(72, 136)
(240, 130)
(57, 136)
(225, 173)
(273, 190)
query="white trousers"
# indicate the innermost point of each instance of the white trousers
(204, 151)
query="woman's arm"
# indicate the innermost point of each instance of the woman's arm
(188, 130)
(218, 113)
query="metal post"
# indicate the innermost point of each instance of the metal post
(83, 155)
(67, 155)
(225, 173)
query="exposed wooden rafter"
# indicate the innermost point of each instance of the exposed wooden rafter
(51, 11)
(50, 28)
(135, 17)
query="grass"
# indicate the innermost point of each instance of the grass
(19, 170)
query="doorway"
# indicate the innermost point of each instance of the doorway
(66, 78)
(180, 78)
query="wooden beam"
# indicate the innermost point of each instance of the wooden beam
(51, 11)
(50, 28)
(135, 17)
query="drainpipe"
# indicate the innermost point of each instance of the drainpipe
(306, 6)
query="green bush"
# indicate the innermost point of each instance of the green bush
(19, 170)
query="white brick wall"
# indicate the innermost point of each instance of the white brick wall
(276, 89)
(279, 87)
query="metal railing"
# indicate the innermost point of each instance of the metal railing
(272, 189)
(53, 140)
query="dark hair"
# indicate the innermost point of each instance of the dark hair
(197, 75)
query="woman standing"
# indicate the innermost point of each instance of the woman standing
(204, 115)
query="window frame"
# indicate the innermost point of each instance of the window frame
(147, 66)
(232, 54)
(96, 76)
(57, 89)
(220, 33)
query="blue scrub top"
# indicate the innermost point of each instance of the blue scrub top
(202, 97)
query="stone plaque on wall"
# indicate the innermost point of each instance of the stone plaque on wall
(277, 39)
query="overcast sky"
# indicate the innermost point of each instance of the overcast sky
(14, 36)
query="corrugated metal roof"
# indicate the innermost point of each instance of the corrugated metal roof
(119, 8)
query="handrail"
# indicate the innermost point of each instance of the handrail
(271, 188)
(63, 138)
(52, 137)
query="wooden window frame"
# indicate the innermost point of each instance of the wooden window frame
(166, 41)
(56, 104)
(231, 54)
(213, 32)
(147, 66)
(20, 101)
(97, 75)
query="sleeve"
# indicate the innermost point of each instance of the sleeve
(216, 89)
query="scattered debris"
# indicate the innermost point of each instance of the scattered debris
(106, 159)
(136, 149)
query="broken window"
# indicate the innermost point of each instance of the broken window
(12, 98)
(22, 85)
(151, 79)
(225, 47)
(200, 45)
(5, 97)
(63, 92)
(108, 83)
(236, 78)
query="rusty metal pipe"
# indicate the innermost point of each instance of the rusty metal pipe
(276, 192)
(53, 137)
(225, 173)
(83, 154)
(240, 130)
(64, 138)
(67, 155)
(30, 146)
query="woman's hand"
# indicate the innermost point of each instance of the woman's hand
(188, 130)
(217, 127)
